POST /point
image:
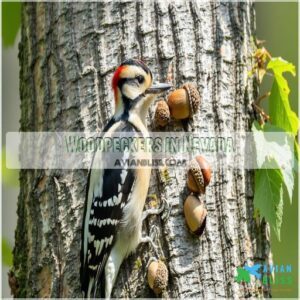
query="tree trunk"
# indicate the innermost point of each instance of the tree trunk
(68, 53)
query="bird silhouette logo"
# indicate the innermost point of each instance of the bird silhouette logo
(253, 270)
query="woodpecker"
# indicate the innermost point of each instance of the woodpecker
(115, 198)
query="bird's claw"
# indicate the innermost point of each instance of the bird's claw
(150, 239)
(165, 208)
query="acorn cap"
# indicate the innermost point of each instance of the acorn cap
(199, 174)
(162, 113)
(194, 96)
(194, 185)
(158, 276)
(195, 214)
(205, 168)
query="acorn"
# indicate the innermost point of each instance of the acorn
(162, 113)
(184, 102)
(195, 214)
(199, 175)
(158, 276)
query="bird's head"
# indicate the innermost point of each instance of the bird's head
(133, 88)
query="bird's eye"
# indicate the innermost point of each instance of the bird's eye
(140, 78)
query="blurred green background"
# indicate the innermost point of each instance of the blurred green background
(10, 122)
(277, 24)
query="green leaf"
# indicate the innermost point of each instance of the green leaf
(268, 197)
(279, 66)
(280, 111)
(11, 20)
(284, 153)
(6, 253)
(271, 141)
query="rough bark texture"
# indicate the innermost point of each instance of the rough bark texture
(68, 53)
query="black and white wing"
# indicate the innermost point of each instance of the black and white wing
(107, 193)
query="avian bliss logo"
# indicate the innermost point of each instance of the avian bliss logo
(263, 272)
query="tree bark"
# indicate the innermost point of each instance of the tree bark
(68, 53)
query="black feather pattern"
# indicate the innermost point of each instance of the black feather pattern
(106, 232)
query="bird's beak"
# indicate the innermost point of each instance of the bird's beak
(158, 88)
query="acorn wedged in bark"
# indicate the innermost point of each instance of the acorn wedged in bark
(162, 113)
(195, 214)
(184, 102)
(158, 276)
(199, 175)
